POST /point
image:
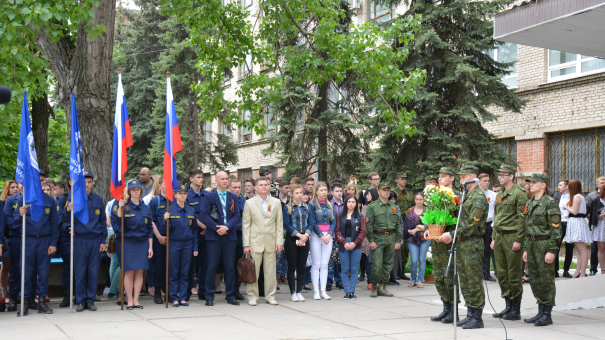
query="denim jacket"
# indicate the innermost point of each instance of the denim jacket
(298, 221)
(322, 216)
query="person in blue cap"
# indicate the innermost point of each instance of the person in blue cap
(40, 242)
(181, 244)
(138, 244)
(89, 242)
(158, 206)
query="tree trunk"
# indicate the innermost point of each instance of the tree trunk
(40, 117)
(84, 69)
(322, 135)
(196, 127)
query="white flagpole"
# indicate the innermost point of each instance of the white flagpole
(71, 257)
(23, 259)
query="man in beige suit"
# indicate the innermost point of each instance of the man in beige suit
(262, 228)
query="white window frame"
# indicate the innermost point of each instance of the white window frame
(271, 129)
(577, 63)
(511, 75)
(246, 69)
(245, 3)
(226, 130)
(245, 134)
(372, 12)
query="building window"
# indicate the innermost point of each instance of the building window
(245, 69)
(224, 129)
(380, 13)
(507, 53)
(245, 134)
(300, 119)
(563, 65)
(577, 155)
(269, 123)
(246, 3)
(242, 175)
(509, 145)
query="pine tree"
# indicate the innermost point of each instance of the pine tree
(462, 84)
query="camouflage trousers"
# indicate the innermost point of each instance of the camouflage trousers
(470, 263)
(542, 281)
(382, 258)
(509, 264)
(444, 284)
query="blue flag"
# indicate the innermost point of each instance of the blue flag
(28, 173)
(76, 170)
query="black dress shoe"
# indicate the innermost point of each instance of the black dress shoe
(591, 274)
(567, 274)
(92, 307)
(277, 288)
(239, 296)
(405, 277)
(138, 307)
(210, 303)
(328, 288)
(32, 302)
(556, 274)
(184, 304)
(341, 286)
(130, 307)
(233, 302)
(490, 279)
(80, 308)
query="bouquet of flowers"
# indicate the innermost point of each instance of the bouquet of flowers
(439, 202)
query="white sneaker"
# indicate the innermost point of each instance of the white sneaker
(325, 296)
(316, 296)
(300, 297)
(105, 291)
(295, 297)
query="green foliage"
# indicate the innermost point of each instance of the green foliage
(9, 144)
(58, 150)
(462, 86)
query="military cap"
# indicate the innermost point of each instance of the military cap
(507, 168)
(429, 177)
(384, 184)
(134, 184)
(178, 188)
(402, 174)
(468, 169)
(42, 172)
(538, 177)
(447, 170)
(88, 173)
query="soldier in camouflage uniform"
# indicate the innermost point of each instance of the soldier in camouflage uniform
(542, 236)
(384, 230)
(405, 200)
(430, 180)
(507, 239)
(471, 228)
(440, 250)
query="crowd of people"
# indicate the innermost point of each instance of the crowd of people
(297, 231)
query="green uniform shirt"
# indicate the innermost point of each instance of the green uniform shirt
(474, 214)
(508, 210)
(383, 217)
(405, 199)
(543, 218)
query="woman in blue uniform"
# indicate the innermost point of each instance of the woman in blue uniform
(138, 234)
(158, 206)
(182, 242)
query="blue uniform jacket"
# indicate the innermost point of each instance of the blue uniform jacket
(233, 215)
(2, 238)
(48, 225)
(242, 203)
(97, 220)
(321, 216)
(137, 222)
(157, 207)
(61, 205)
(182, 224)
(9, 216)
(298, 221)
(195, 201)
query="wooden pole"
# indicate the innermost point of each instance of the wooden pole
(122, 263)
(167, 245)
(23, 259)
(71, 257)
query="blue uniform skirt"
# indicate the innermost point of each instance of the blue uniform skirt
(135, 253)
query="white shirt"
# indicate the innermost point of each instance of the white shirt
(265, 204)
(562, 203)
(491, 199)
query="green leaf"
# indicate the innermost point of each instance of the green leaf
(25, 11)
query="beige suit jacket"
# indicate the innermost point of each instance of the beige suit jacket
(262, 232)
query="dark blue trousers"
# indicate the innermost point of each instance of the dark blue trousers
(180, 260)
(226, 248)
(159, 264)
(14, 248)
(37, 265)
(64, 249)
(202, 268)
(87, 259)
(239, 252)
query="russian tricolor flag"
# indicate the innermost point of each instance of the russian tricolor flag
(122, 139)
(173, 142)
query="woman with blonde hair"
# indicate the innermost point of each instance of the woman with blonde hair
(323, 222)
(138, 245)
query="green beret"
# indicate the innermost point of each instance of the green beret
(538, 177)
(447, 170)
(468, 169)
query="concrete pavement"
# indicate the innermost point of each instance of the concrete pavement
(405, 316)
